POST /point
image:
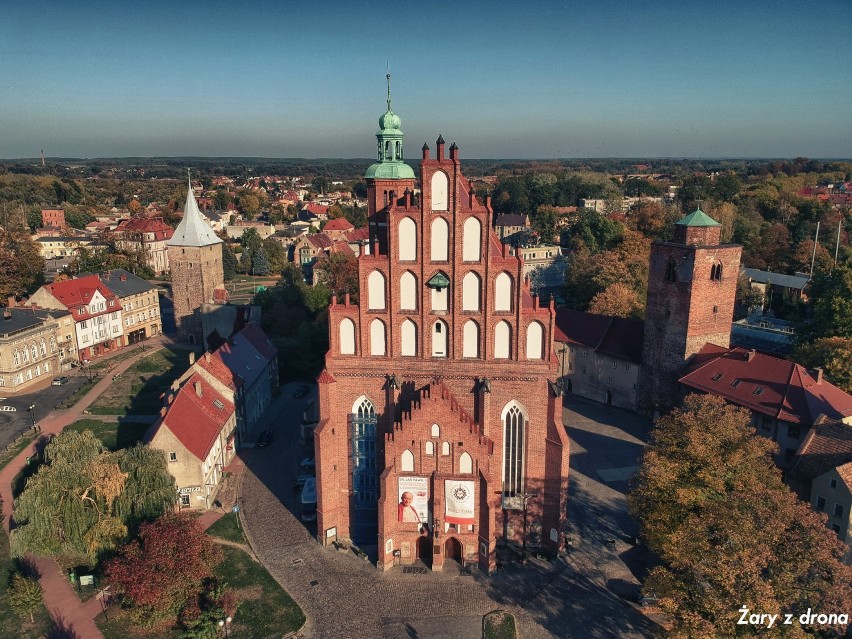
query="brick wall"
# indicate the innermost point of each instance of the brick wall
(196, 273)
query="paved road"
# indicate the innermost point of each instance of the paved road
(45, 399)
(343, 596)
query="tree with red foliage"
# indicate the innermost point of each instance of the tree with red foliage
(166, 567)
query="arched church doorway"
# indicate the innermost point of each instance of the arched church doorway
(452, 549)
(424, 550)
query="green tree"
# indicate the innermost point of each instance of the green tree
(21, 265)
(260, 263)
(832, 306)
(93, 496)
(712, 505)
(597, 231)
(276, 254)
(833, 355)
(221, 199)
(25, 596)
(229, 262)
(339, 272)
(544, 222)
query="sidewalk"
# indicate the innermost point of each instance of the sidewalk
(59, 598)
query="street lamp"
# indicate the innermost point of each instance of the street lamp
(31, 409)
(225, 626)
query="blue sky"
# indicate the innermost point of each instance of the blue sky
(535, 79)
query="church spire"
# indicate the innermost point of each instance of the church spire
(390, 146)
(192, 230)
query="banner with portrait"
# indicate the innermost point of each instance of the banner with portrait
(413, 505)
(460, 501)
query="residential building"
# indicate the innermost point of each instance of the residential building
(195, 259)
(778, 285)
(440, 430)
(245, 370)
(599, 356)
(784, 398)
(147, 236)
(822, 474)
(338, 228)
(544, 263)
(30, 346)
(56, 247)
(95, 309)
(196, 432)
(508, 224)
(140, 304)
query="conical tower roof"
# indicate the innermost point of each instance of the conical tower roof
(193, 230)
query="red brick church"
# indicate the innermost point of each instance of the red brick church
(440, 431)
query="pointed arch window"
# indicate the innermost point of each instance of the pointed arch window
(440, 185)
(471, 286)
(407, 462)
(439, 241)
(436, 431)
(440, 339)
(377, 338)
(514, 436)
(671, 271)
(408, 291)
(376, 291)
(470, 339)
(445, 448)
(365, 480)
(502, 340)
(407, 240)
(716, 272)
(347, 337)
(471, 240)
(465, 464)
(430, 448)
(535, 340)
(408, 338)
(503, 292)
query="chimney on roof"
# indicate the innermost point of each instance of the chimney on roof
(818, 375)
(10, 302)
(198, 390)
(163, 411)
(192, 358)
(123, 278)
(750, 354)
(207, 356)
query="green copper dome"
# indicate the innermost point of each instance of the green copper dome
(697, 218)
(390, 137)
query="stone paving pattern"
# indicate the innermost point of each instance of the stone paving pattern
(584, 595)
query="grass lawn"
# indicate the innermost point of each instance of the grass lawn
(228, 528)
(137, 391)
(113, 435)
(11, 625)
(14, 448)
(265, 609)
(499, 625)
(75, 397)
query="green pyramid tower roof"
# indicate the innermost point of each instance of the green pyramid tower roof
(697, 218)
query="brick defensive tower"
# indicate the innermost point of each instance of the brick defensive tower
(195, 259)
(692, 282)
(439, 433)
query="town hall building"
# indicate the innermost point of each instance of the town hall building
(440, 431)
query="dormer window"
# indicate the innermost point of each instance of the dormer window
(735, 383)
(758, 391)
(716, 377)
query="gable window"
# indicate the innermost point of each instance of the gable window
(793, 431)
(820, 503)
(436, 431)
(172, 456)
(838, 510)
(833, 484)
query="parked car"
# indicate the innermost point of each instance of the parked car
(300, 481)
(264, 439)
(59, 381)
(308, 463)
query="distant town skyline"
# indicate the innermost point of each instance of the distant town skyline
(541, 79)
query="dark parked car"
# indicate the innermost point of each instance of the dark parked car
(59, 381)
(264, 439)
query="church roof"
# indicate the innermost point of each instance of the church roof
(697, 218)
(193, 230)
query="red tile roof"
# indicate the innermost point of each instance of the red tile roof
(155, 225)
(617, 337)
(338, 224)
(316, 209)
(325, 377)
(845, 472)
(197, 421)
(320, 241)
(76, 294)
(358, 235)
(765, 384)
(255, 335)
(213, 364)
(826, 446)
